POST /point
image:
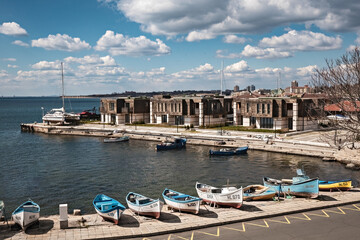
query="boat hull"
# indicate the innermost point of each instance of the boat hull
(182, 202)
(258, 193)
(108, 208)
(238, 151)
(113, 216)
(151, 208)
(308, 188)
(342, 185)
(26, 214)
(231, 198)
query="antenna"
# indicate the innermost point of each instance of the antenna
(221, 77)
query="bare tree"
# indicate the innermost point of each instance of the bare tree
(340, 81)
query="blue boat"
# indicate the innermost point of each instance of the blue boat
(181, 201)
(229, 151)
(108, 208)
(301, 185)
(176, 144)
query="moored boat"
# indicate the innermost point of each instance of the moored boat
(168, 145)
(181, 202)
(116, 139)
(225, 196)
(108, 208)
(258, 192)
(26, 214)
(144, 205)
(229, 151)
(342, 185)
(301, 185)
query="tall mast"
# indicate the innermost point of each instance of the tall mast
(62, 86)
(221, 77)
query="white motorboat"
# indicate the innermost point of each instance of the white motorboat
(225, 196)
(26, 214)
(181, 202)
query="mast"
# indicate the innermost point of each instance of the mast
(221, 77)
(62, 86)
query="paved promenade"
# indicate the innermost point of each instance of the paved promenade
(93, 227)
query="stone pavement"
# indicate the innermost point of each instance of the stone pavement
(132, 225)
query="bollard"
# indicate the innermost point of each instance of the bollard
(63, 209)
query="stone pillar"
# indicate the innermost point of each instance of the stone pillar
(295, 116)
(63, 209)
(201, 114)
(257, 122)
(102, 118)
(235, 114)
(246, 122)
(151, 113)
(116, 119)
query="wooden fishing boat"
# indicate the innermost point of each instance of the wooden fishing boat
(229, 151)
(2, 208)
(143, 205)
(225, 196)
(26, 214)
(108, 208)
(342, 185)
(168, 145)
(181, 202)
(116, 139)
(301, 185)
(258, 192)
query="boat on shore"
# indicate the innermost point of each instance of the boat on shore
(144, 205)
(2, 208)
(301, 185)
(342, 185)
(26, 214)
(108, 208)
(258, 192)
(229, 151)
(116, 139)
(181, 201)
(224, 196)
(177, 143)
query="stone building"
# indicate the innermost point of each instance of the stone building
(125, 110)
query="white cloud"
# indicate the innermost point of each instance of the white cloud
(201, 35)
(9, 59)
(12, 29)
(118, 44)
(237, 67)
(61, 42)
(264, 53)
(302, 41)
(234, 39)
(223, 54)
(12, 66)
(20, 43)
(93, 59)
(306, 71)
(45, 65)
(3, 73)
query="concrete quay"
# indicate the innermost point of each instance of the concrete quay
(93, 227)
(209, 137)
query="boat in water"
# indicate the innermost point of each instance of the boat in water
(181, 201)
(59, 115)
(257, 192)
(116, 139)
(26, 214)
(168, 145)
(224, 196)
(108, 208)
(301, 185)
(229, 151)
(144, 205)
(342, 185)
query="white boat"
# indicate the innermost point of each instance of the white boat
(225, 196)
(26, 214)
(116, 139)
(108, 208)
(181, 202)
(2, 208)
(59, 115)
(143, 205)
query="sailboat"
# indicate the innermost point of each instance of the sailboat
(59, 115)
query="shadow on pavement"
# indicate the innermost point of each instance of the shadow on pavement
(7, 231)
(169, 218)
(207, 213)
(42, 227)
(250, 208)
(326, 198)
(128, 221)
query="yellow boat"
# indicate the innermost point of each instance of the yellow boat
(335, 185)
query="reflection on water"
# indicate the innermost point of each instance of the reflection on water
(54, 169)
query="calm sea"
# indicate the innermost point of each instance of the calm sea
(68, 169)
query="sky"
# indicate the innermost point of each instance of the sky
(110, 46)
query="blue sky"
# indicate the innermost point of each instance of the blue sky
(135, 45)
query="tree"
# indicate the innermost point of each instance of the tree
(340, 81)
